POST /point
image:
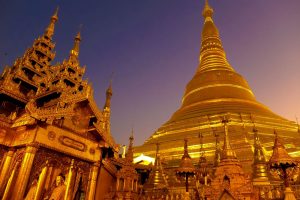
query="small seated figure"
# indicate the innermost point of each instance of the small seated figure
(59, 191)
(31, 193)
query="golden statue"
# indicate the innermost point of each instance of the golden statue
(31, 193)
(59, 191)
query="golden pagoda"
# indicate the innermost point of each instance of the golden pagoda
(217, 90)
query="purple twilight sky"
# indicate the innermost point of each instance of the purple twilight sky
(152, 46)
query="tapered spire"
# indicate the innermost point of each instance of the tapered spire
(157, 178)
(260, 169)
(129, 154)
(227, 151)
(212, 54)
(109, 94)
(50, 29)
(74, 53)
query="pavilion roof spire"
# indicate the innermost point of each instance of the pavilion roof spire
(109, 93)
(129, 154)
(279, 154)
(50, 29)
(74, 53)
(212, 54)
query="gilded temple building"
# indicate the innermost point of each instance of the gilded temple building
(55, 143)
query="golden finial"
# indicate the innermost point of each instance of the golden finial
(75, 51)
(109, 89)
(129, 154)
(50, 29)
(108, 95)
(78, 36)
(207, 11)
(55, 15)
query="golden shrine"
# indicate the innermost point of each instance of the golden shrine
(53, 137)
(55, 143)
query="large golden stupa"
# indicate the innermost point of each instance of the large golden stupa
(215, 91)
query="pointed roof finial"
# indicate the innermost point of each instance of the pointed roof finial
(50, 29)
(55, 15)
(109, 94)
(129, 154)
(207, 11)
(75, 50)
(212, 54)
(78, 36)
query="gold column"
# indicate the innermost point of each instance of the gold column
(93, 181)
(9, 183)
(24, 172)
(70, 182)
(118, 184)
(5, 169)
(41, 182)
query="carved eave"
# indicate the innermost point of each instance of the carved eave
(40, 94)
(110, 167)
(13, 92)
(21, 76)
(45, 41)
(75, 66)
(106, 137)
(94, 106)
(26, 63)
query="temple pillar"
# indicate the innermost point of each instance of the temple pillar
(70, 182)
(24, 172)
(118, 184)
(92, 182)
(5, 169)
(41, 182)
(9, 182)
